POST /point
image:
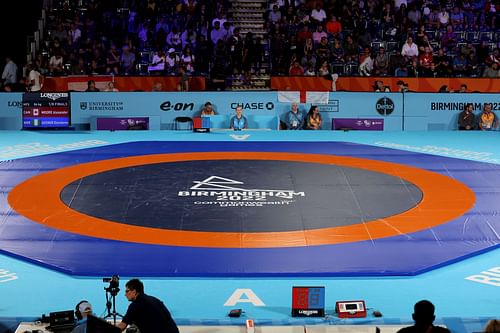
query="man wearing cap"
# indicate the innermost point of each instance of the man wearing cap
(82, 310)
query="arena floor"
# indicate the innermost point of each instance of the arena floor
(389, 218)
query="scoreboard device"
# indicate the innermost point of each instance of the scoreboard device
(46, 110)
(308, 301)
(351, 309)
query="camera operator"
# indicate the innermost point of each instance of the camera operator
(148, 313)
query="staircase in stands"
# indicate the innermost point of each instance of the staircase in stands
(248, 15)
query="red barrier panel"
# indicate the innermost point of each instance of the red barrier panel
(366, 83)
(122, 83)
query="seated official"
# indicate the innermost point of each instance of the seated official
(487, 119)
(238, 121)
(466, 119)
(314, 120)
(207, 110)
(295, 118)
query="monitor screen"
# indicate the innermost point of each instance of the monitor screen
(98, 325)
(46, 110)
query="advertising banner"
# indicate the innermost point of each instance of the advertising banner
(121, 124)
(358, 124)
(440, 111)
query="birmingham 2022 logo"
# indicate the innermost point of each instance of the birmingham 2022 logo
(225, 192)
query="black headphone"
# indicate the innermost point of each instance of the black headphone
(78, 314)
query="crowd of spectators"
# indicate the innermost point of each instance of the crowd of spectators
(419, 38)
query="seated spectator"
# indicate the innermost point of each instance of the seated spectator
(275, 14)
(466, 118)
(319, 34)
(79, 67)
(171, 61)
(238, 121)
(56, 64)
(309, 46)
(296, 69)
(460, 65)
(414, 15)
(324, 69)
(444, 89)
(492, 326)
(187, 59)
(295, 118)
(308, 58)
(323, 51)
(91, 86)
(493, 58)
(174, 39)
(434, 21)
(381, 63)
(337, 51)
(310, 70)
(487, 119)
(402, 86)
(413, 69)
(492, 71)
(366, 67)
(365, 54)
(443, 66)
(304, 34)
(351, 49)
(380, 87)
(157, 63)
(313, 119)
(318, 14)
(207, 110)
(111, 87)
(457, 18)
(113, 61)
(333, 26)
(423, 315)
(410, 49)
(448, 39)
(463, 88)
(444, 17)
(425, 61)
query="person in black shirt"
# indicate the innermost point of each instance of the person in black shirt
(148, 313)
(423, 315)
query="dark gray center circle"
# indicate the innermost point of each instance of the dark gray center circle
(240, 195)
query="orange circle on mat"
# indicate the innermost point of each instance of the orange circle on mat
(444, 199)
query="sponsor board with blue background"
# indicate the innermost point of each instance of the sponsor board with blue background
(409, 112)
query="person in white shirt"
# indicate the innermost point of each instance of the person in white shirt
(318, 14)
(410, 49)
(35, 79)
(444, 17)
(366, 67)
(111, 87)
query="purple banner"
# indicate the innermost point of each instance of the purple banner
(120, 124)
(367, 124)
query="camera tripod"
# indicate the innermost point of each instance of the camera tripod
(111, 303)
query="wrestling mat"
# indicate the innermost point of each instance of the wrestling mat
(235, 209)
